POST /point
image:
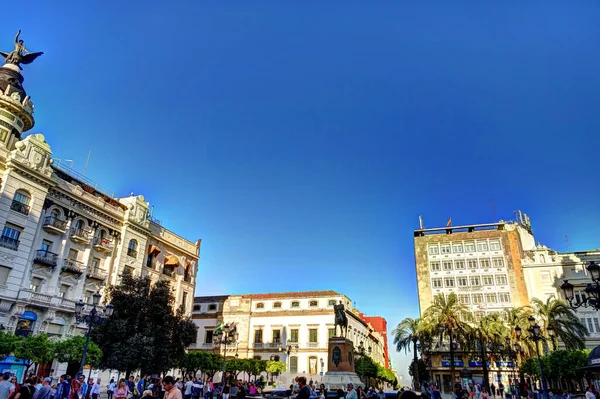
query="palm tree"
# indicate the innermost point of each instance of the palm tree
(518, 317)
(490, 329)
(556, 314)
(448, 315)
(408, 332)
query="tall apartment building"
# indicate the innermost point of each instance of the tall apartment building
(64, 237)
(293, 327)
(481, 263)
(546, 269)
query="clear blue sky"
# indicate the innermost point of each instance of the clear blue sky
(301, 140)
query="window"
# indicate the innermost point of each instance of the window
(277, 305)
(260, 305)
(293, 335)
(258, 337)
(96, 263)
(437, 283)
(80, 224)
(330, 332)
(331, 302)
(590, 325)
(477, 299)
(542, 258)
(88, 297)
(445, 248)
(487, 280)
(472, 263)
(495, 245)
(545, 277)
(596, 324)
(20, 202)
(46, 245)
(295, 304)
(457, 248)
(447, 265)
(294, 364)
(208, 336)
(449, 282)
(498, 262)
(490, 297)
(132, 248)
(149, 260)
(10, 236)
(459, 264)
(197, 308)
(313, 304)
(313, 335)
(435, 266)
(503, 297)
(36, 284)
(475, 281)
(4, 272)
(580, 296)
(212, 306)
(501, 279)
(464, 299)
(469, 247)
(184, 300)
(73, 254)
(484, 263)
(479, 316)
(462, 281)
(63, 291)
(433, 249)
(482, 246)
(276, 336)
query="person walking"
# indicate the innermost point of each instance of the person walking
(589, 394)
(493, 389)
(171, 391)
(45, 391)
(351, 392)
(122, 390)
(26, 391)
(7, 388)
(94, 389)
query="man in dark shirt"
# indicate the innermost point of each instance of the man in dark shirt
(26, 391)
(304, 392)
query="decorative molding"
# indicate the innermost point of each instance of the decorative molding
(8, 258)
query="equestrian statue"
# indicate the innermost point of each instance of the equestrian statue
(341, 319)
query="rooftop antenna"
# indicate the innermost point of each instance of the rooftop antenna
(568, 243)
(87, 162)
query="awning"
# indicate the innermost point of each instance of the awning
(171, 260)
(153, 250)
(28, 316)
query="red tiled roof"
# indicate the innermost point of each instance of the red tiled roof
(303, 294)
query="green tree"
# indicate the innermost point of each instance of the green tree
(448, 313)
(406, 336)
(70, 351)
(234, 366)
(557, 314)
(8, 343)
(34, 349)
(365, 367)
(275, 367)
(421, 366)
(489, 330)
(256, 367)
(211, 363)
(145, 331)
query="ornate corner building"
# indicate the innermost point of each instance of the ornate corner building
(64, 237)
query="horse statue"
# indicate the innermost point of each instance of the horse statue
(341, 320)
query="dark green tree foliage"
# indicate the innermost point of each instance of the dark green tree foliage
(365, 367)
(8, 343)
(34, 349)
(70, 351)
(423, 371)
(145, 332)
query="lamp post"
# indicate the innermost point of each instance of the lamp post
(552, 335)
(511, 353)
(322, 366)
(535, 334)
(226, 335)
(592, 290)
(95, 316)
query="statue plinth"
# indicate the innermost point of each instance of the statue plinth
(340, 367)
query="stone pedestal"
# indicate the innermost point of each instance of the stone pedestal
(340, 368)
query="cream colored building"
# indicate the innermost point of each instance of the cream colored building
(292, 327)
(64, 237)
(545, 271)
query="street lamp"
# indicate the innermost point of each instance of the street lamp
(322, 366)
(536, 336)
(552, 335)
(95, 316)
(226, 335)
(592, 290)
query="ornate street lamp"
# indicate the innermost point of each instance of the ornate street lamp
(226, 335)
(535, 334)
(95, 316)
(592, 299)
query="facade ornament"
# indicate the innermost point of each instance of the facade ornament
(20, 55)
(4, 257)
(16, 96)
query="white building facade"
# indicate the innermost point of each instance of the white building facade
(63, 237)
(290, 327)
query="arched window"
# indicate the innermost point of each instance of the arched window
(20, 202)
(277, 305)
(55, 213)
(542, 258)
(313, 304)
(80, 224)
(260, 305)
(132, 248)
(295, 304)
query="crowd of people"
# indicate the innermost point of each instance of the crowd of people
(41, 388)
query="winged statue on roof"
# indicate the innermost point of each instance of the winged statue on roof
(20, 55)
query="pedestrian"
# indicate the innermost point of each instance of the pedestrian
(13, 380)
(226, 390)
(26, 391)
(94, 389)
(241, 392)
(45, 391)
(304, 392)
(6, 387)
(122, 390)
(493, 389)
(187, 393)
(196, 388)
(147, 394)
(110, 388)
(63, 389)
(590, 393)
(171, 391)
(351, 392)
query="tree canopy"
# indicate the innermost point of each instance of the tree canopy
(71, 350)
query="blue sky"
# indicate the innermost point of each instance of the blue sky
(302, 140)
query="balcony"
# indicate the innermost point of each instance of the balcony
(132, 252)
(273, 345)
(67, 303)
(10, 243)
(80, 236)
(54, 225)
(45, 257)
(72, 266)
(19, 207)
(258, 345)
(34, 297)
(97, 274)
(102, 245)
(208, 345)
